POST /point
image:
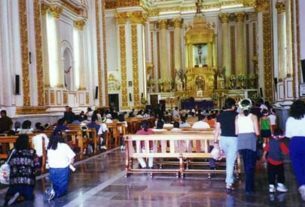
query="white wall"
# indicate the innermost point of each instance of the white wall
(111, 44)
(302, 27)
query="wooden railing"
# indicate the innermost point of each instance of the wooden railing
(183, 146)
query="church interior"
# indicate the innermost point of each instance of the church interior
(134, 60)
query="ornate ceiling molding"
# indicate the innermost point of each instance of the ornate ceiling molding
(78, 8)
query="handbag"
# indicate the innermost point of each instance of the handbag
(216, 152)
(5, 171)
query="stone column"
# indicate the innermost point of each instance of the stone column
(164, 70)
(121, 20)
(281, 33)
(44, 10)
(240, 48)
(226, 54)
(79, 25)
(56, 11)
(177, 42)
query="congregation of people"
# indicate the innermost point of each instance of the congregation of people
(243, 128)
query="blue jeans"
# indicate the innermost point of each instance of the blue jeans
(249, 159)
(60, 180)
(297, 156)
(25, 190)
(229, 146)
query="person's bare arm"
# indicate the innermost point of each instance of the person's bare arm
(256, 128)
(236, 126)
(217, 131)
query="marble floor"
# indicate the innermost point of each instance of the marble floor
(101, 181)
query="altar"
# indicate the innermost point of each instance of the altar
(201, 58)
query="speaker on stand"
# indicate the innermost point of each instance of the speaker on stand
(17, 84)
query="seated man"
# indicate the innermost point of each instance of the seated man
(5, 122)
(201, 124)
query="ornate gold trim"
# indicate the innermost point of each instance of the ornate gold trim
(136, 17)
(224, 17)
(38, 44)
(73, 8)
(55, 11)
(280, 7)
(163, 24)
(24, 52)
(99, 62)
(79, 24)
(293, 47)
(31, 110)
(123, 66)
(135, 66)
(122, 3)
(268, 54)
(105, 52)
(178, 22)
(240, 17)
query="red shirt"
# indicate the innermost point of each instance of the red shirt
(284, 150)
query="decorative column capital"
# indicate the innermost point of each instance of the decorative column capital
(137, 17)
(280, 7)
(55, 11)
(240, 17)
(178, 22)
(79, 24)
(224, 17)
(122, 17)
(163, 24)
(44, 9)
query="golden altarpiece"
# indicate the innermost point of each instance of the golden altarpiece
(201, 58)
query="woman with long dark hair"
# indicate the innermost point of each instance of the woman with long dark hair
(23, 166)
(246, 128)
(60, 157)
(295, 129)
(225, 132)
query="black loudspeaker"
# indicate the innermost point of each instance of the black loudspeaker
(130, 97)
(17, 84)
(261, 92)
(96, 92)
(303, 69)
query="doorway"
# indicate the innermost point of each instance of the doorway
(114, 101)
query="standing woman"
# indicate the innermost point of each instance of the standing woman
(60, 157)
(295, 129)
(225, 131)
(247, 131)
(23, 166)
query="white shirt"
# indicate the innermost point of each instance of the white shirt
(103, 128)
(245, 124)
(201, 125)
(184, 125)
(37, 143)
(272, 119)
(295, 127)
(62, 157)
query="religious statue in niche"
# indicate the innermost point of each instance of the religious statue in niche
(200, 83)
(67, 78)
(200, 52)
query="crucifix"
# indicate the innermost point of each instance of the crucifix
(198, 6)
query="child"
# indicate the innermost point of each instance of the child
(265, 126)
(272, 118)
(273, 154)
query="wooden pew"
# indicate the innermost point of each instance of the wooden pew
(8, 142)
(171, 149)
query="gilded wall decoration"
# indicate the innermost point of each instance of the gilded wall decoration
(38, 44)
(31, 110)
(113, 83)
(268, 53)
(87, 98)
(24, 52)
(123, 66)
(105, 52)
(298, 41)
(122, 3)
(52, 97)
(136, 17)
(46, 95)
(135, 66)
(293, 48)
(65, 98)
(99, 61)
(79, 24)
